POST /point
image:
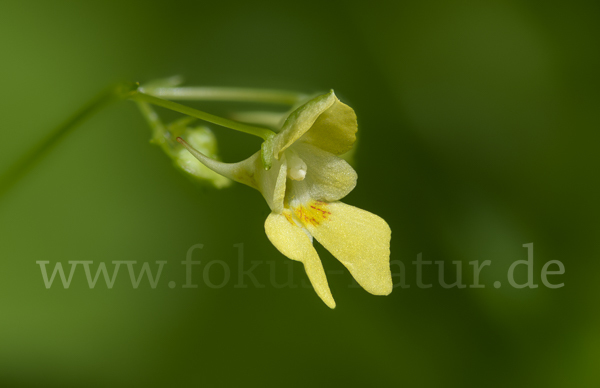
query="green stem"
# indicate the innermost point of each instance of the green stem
(270, 96)
(257, 131)
(24, 164)
(158, 128)
(130, 90)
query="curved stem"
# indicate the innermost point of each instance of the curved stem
(130, 90)
(257, 131)
(26, 162)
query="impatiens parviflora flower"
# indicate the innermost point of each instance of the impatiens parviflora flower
(303, 188)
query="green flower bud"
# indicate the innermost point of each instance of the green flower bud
(202, 139)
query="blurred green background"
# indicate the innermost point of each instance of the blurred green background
(479, 133)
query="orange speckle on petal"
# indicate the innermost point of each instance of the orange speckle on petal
(313, 213)
(288, 216)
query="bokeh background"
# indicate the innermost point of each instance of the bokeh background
(479, 131)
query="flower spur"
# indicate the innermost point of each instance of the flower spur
(303, 188)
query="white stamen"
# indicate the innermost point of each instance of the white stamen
(296, 166)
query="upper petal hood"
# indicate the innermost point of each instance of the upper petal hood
(335, 129)
(323, 121)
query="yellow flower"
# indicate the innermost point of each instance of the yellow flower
(303, 189)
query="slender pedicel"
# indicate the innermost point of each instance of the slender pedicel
(203, 93)
(256, 131)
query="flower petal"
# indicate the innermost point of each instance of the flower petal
(300, 121)
(292, 240)
(270, 183)
(328, 178)
(358, 239)
(335, 129)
